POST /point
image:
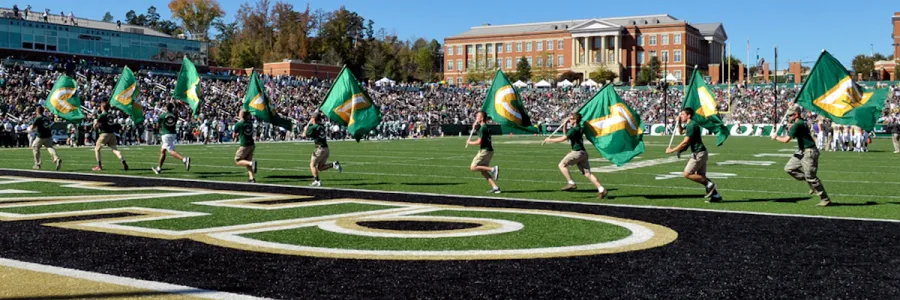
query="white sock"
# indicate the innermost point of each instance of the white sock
(600, 189)
(709, 183)
(184, 160)
(571, 182)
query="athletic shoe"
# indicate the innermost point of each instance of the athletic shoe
(569, 187)
(252, 181)
(36, 167)
(97, 168)
(253, 166)
(812, 192)
(494, 191)
(710, 191)
(715, 199)
(156, 170)
(316, 183)
(601, 196)
(895, 152)
(337, 166)
(58, 164)
(187, 163)
(125, 165)
(824, 202)
(495, 173)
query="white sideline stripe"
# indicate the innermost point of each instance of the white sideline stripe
(123, 281)
(525, 200)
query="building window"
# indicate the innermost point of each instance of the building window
(449, 65)
(540, 46)
(458, 50)
(678, 75)
(665, 55)
(449, 80)
(540, 61)
(559, 45)
(549, 45)
(652, 40)
(677, 55)
(489, 48)
(499, 63)
(528, 47)
(459, 81)
(509, 63)
(597, 42)
(459, 66)
(640, 57)
(519, 47)
(665, 39)
(559, 61)
(529, 61)
(508, 47)
(640, 40)
(449, 50)
(499, 48)
(677, 39)
(652, 54)
(469, 50)
(490, 64)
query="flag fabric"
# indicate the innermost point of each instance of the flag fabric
(612, 126)
(187, 88)
(63, 100)
(349, 105)
(257, 102)
(829, 91)
(125, 96)
(706, 110)
(504, 105)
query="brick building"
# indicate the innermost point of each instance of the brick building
(299, 68)
(887, 70)
(621, 44)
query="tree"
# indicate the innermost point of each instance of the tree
(523, 69)
(341, 36)
(735, 66)
(603, 75)
(220, 50)
(649, 72)
(196, 16)
(108, 17)
(570, 76)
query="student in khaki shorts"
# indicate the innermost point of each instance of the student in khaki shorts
(696, 166)
(44, 138)
(243, 129)
(107, 137)
(804, 164)
(482, 161)
(317, 162)
(578, 155)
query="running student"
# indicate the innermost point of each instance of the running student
(107, 137)
(578, 155)
(696, 166)
(805, 162)
(44, 138)
(166, 126)
(482, 161)
(243, 129)
(317, 162)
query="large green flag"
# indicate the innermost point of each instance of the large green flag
(349, 105)
(706, 111)
(257, 103)
(63, 100)
(125, 96)
(187, 88)
(829, 91)
(612, 126)
(504, 105)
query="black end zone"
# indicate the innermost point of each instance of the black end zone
(716, 256)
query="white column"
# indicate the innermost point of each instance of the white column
(618, 50)
(574, 53)
(589, 45)
(603, 50)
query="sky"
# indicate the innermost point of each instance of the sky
(800, 28)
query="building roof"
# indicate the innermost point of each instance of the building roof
(708, 29)
(711, 29)
(35, 16)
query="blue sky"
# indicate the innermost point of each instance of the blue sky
(800, 28)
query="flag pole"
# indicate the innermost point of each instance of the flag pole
(776, 83)
(471, 132)
(554, 132)
(674, 131)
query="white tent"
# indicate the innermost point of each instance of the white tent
(543, 84)
(520, 84)
(565, 83)
(671, 78)
(589, 82)
(385, 82)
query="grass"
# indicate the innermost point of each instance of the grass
(862, 185)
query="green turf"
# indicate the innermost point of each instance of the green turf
(861, 184)
(539, 231)
(47, 189)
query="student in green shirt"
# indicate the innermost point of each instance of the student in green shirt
(482, 161)
(243, 130)
(44, 138)
(578, 156)
(106, 124)
(695, 170)
(805, 162)
(316, 130)
(167, 128)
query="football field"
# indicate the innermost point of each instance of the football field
(407, 219)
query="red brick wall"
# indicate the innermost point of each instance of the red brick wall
(301, 69)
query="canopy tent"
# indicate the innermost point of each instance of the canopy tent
(385, 82)
(520, 84)
(671, 78)
(565, 83)
(543, 84)
(589, 82)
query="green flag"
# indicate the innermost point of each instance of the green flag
(706, 111)
(612, 126)
(504, 105)
(349, 105)
(829, 91)
(125, 96)
(63, 100)
(257, 103)
(187, 88)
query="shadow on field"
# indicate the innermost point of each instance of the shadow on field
(589, 190)
(668, 196)
(365, 184)
(295, 177)
(779, 200)
(867, 203)
(217, 174)
(431, 184)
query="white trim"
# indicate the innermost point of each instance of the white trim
(484, 197)
(123, 281)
